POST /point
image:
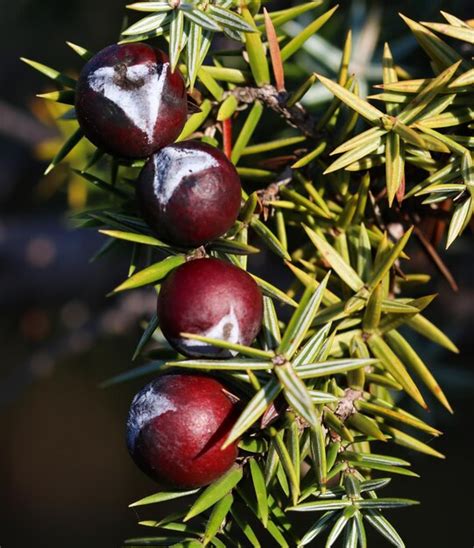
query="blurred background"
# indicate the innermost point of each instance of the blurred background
(66, 478)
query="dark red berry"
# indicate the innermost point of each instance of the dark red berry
(128, 102)
(189, 193)
(211, 298)
(176, 428)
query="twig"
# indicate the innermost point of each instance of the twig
(297, 116)
(431, 251)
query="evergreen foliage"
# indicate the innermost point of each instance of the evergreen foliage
(333, 195)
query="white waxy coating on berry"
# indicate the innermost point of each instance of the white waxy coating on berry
(172, 164)
(226, 329)
(141, 104)
(146, 406)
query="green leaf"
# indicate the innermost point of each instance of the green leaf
(365, 425)
(465, 34)
(365, 109)
(454, 21)
(364, 254)
(230, 19)
(364, 138)
(342, 269)
(283, 16)
(177, 35)
(320, 397)
(260, 488)
(354, 155)
(389, 259)
(395, 367)
(408, 355)
(373, 485)
(217, 517)
(233, 364)
(243, 522)
(317, 528)
(233, 347)
(200, 18)
(442, 54)
(308, 158)
(256, 52)
(150, 6)
(233, 246)
(423, 326)
(334, 423)
(134, 237)
(152, 274)
(215, 492)
(319, 459)
(332, 367)
(163, 496)
(254, 445)
(247, 131)
(384, 527)
(96, 181)
(193, 53)
(295, 44)
(394, 165)
(65, 96)
(296, 393)
(337, 529)
(302, 319)
(405, 440)
(384, 468)
(269, 239)
(226, 74)
(373, 310)
(460, 219)
(227, 108)
(273, 292)
(297, 198)
(51, 73)
(147, 24)
(351, 538)
(254, 410)
(159, 541)
(195, 121)
(272, 145)
(394, 413)
(270, 327)
(372, 458)
(320, 505)
(68, 146)
(147, 334)
(427, 94)
(83, 53)
(312, 348)
(382, 504)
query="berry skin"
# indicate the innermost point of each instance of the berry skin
(128, 102)
(189, 193)
(176, 427)
(211, 298)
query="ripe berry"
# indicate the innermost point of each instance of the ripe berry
(128, 102)
(189, 193)
(176, 427)
(211, 298)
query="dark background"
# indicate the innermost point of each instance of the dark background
(65, 476)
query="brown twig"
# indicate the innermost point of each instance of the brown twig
(431, 251)
(297, 116)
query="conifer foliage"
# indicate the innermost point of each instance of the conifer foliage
(335, 196)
